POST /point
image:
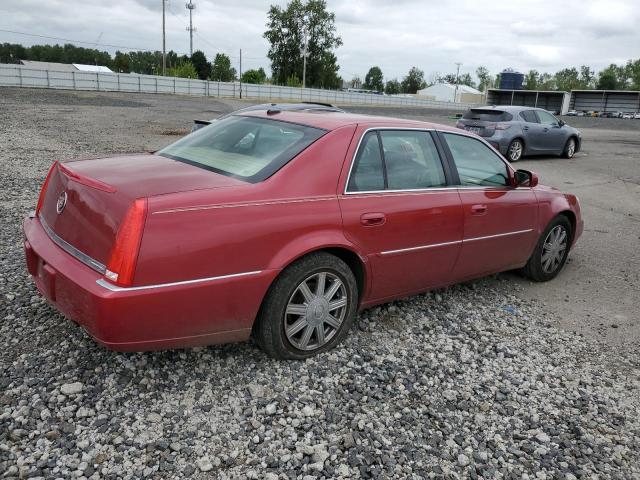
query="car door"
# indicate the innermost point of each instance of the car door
(499, 219)
(400, 210)
(554, 136)
(532, 130)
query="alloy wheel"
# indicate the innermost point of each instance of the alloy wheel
(554, 248)
(515, 151)
(571, 148)
(315, 311)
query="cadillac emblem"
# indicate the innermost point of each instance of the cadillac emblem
(61, 203)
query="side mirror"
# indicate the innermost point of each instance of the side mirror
(561, 123)
(525, 178)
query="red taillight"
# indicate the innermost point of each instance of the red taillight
(43, 190)
(124, 255)
(502, 126)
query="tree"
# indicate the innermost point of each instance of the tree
(183, 70)
(392, 87)
(122, 62)
(373, 80)
(294, 81)
(484, 78)
(546, 82)
(634, 73)
(285, 33)
(587, 77)
(356, 82)
(254, 76)
(221, 70)
(531, 80)
(200, 63)
(414, 81)
(567, 79)
(608, 78)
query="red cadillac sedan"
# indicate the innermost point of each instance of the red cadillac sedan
(282, 225)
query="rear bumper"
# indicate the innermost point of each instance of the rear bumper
(219, 310)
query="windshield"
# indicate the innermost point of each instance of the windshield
(247, 148)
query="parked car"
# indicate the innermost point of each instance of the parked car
(518, 131)
(627, 115)
(282, 225)
(572, 113)
(303, 106)
(637, 116)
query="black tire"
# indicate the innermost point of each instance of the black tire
(535, 268)
(570, 148)
(269, 329)
(515, 150)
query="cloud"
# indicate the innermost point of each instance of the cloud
(546, 35)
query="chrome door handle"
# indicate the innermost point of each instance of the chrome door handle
(373, 219)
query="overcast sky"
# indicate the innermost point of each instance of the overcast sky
(431, 34)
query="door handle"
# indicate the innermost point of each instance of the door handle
(545, 129)
(525, 128)
(479, 209)
(373, 219)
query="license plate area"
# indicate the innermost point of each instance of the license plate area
(477, 130)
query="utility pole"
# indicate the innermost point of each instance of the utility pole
(305, 46)
(164, 44)
(455, 95)
(240, 78)
(191, 7)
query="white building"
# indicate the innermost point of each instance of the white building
(445, 92)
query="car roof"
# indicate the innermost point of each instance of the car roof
(328, 120)
(507, 108)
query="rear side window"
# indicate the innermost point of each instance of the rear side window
(368, 172)
(396, 160)
(487, 115)
(476, 163)
(247, 148)
(529, 116)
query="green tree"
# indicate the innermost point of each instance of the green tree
(374, 80)
(183, 70)
(221, 70)
(392, 87)
(567, 79)
(356, 82)
(200, 63)
(285, 33)
(122, 62)
(608, 78)
(414, 81)
(254, 76)
(294, 81)
(634, 73)
(587, 77)
(484, 78)
(531, 80)
(546, 82)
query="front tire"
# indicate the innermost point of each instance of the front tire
(309, 308)
(515, 150)
(551, 251)
(570, 148)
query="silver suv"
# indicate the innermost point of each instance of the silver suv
(518, 131)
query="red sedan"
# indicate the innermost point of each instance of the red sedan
(282, 225)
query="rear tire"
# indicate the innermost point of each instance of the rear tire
(551, 251)
(309, 308)
(515, 150)
(570, 148)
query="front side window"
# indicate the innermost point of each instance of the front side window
(396, 160)
(476, 163)
(546, 118)
(247, 148)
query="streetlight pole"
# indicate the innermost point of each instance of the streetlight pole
(455, 95)
(305, 46)
(164, 44)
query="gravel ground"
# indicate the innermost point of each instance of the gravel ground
(474, 381)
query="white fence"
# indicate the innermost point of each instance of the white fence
(20, 76)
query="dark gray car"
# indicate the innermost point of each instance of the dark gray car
(518, 131)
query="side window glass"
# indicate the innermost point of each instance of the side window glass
(476, 163)
(367, 174)
(529, 116)
(546, 118)
(412, 160)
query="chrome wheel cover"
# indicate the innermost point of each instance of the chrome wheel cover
(515, 151)
(554, 248)
(315, 311)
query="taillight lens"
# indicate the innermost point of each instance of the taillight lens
(502, 126)
(43, 190)
(124, 255)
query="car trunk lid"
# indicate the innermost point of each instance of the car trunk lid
(85, 201)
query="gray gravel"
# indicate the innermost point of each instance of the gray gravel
(467, 382)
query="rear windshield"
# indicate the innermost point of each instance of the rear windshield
(246, 148)
(487, 115)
